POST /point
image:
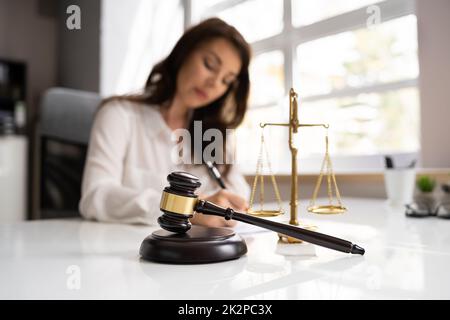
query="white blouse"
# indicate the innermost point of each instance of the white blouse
(128, 160)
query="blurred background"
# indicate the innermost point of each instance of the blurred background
(377, 71)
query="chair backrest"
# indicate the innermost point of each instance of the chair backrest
(68, 114)
(66, 120)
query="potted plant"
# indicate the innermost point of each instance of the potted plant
(426, 185)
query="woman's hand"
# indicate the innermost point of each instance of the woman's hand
(224, 199)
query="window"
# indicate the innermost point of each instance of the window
(267, 78)
(308, 12)
(364, 57)
(135, 35)
(353, 63)
(255, 19)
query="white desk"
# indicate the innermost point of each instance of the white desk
(405, 259)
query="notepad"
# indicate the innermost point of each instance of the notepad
(245, 228)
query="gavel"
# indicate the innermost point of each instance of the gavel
(179, 203)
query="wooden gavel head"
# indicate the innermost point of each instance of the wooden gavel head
(181, 243)
(178, 202)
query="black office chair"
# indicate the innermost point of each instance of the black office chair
(66, 121)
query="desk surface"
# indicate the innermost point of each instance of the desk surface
(405, 259)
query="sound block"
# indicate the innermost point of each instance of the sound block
(198, 245)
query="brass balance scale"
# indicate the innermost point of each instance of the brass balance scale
(332, 207)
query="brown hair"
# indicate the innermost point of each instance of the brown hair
(225, 112)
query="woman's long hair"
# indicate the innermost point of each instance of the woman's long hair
(226, 112)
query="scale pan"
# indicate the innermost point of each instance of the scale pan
(327, 209)
(265, 213)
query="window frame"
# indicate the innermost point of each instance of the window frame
(291, 37)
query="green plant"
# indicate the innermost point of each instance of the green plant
(426, 183)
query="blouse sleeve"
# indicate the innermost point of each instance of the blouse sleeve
(103, 197)
(235, 180)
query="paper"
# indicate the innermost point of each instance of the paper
(245, 228)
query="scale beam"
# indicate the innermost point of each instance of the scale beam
(263, 125)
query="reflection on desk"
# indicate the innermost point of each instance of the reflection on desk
(405, 259)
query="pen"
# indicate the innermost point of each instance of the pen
(214, 172)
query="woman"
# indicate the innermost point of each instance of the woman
(205, 78)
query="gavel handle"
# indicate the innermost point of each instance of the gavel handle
(313, 237)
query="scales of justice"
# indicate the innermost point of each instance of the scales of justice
(180, 242)
(332, 207)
